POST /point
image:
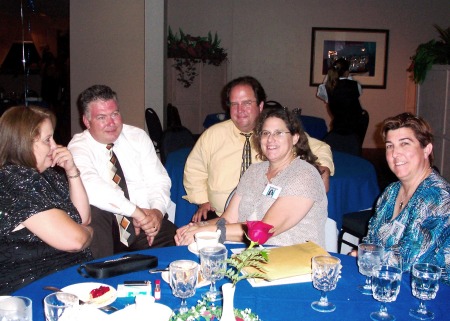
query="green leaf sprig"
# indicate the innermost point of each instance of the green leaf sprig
(250, 257)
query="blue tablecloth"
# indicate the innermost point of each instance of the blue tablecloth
(175, 168)
(314, 126)
(212, 119)
(270, 303)
(353, 187)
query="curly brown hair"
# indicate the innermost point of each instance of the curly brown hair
(294, 126)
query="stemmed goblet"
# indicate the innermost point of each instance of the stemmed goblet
(369, 256)
(425, 284)
(385, 287)
(183, 276)
(325, 274)
(213, 266)
(393, 257)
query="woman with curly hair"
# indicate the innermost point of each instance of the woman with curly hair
(285, 190)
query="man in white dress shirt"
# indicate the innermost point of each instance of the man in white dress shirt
(146, 196)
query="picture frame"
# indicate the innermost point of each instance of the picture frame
(366, 49)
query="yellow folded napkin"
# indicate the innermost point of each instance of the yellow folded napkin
(289, 261)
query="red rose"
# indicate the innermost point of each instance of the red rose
(258, 231)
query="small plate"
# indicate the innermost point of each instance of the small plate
(157, 311)
(202, 283)
(193, 248)
(83, 290)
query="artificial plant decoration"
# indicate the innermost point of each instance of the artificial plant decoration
(188, 51)
(431, 53)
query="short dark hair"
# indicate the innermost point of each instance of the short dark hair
(294, 126)
(19, 128)
(96, 92)
(420, 127)
(258, 89)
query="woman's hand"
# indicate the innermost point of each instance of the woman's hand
(63, 158)
(185, 235)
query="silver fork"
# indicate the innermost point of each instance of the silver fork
(106, 308)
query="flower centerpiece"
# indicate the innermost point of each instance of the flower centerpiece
(253, 256)
(188, 51)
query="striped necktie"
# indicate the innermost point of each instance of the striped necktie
(126, 228)
(246, 153)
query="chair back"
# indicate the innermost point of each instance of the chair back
(173, 116)
(175, 138)
(229, 199)
(154, 127)
(343, 143)
(273, 104)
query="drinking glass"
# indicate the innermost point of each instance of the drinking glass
(425, 284)
(16, 308)
(183, 280)
(369, 255)
(385, 287)
(61, 306)
(393, 257)
(213, 266)
(325, 274)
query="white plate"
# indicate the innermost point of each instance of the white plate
(83, 290)
(154, 311)
(193, 248)
(165, 277)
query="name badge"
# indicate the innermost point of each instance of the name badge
(272, 191)
(397, 230)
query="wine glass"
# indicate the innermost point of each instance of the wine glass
(213, 265)
(385, 287)
(369, 255)
(325, 274)
(425, 284)
(393, 257)
(183, 276)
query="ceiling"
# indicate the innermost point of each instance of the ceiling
(49, 8)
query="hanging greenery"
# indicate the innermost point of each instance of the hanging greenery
(431, 53)
(188, 51)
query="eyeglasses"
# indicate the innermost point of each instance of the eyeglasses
(244, 104)
(265, 134)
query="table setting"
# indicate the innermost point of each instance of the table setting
(329, 291)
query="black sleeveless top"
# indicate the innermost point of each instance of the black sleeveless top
(23, 256)
(344, 106)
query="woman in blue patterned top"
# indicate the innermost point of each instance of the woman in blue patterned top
(413, 212)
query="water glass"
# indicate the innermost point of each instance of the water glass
(183, 280)
(325, 274)
(213, 266)
(16, 308)
(61, 306)
(425, 284)
(369, 256)
(386, 282)
(393, 257)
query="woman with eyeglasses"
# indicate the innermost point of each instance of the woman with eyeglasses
(414, 212)
(285, 190)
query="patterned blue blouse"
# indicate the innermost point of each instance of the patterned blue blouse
(422, 229)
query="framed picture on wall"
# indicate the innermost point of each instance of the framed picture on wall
(365, 49)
